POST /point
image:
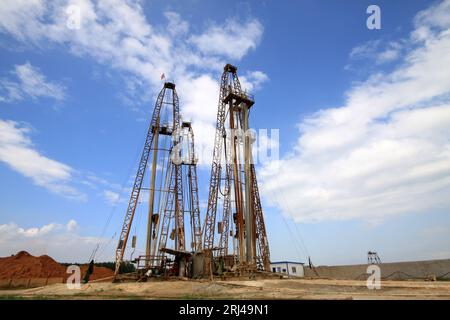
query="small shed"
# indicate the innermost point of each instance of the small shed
(289, 268)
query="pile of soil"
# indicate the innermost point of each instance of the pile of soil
(24, 265)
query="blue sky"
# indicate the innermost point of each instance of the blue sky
(364, 119)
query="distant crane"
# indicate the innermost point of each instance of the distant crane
(373, 258)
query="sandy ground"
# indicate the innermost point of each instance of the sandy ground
(250, 289)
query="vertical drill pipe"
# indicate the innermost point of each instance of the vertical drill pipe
(179, 201)
(237, 187)
(249, 216)
(160, 225)
(223, 242)
(193, 183)
(169, 210)
(152, 194)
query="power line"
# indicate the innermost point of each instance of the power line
(287, 209)
(113, 209)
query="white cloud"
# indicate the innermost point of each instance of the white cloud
(35, 232)
(365, 49)
(19, 153)
(385, 152)
(435, 16)
(22, 17)
(117, 34)
(71, 225)
(199, 96)
(177, 26)
(59, 241)
(391, 53)
(111, 197)
(231, 39)
(377, 51)
(30, 83)
(253, 80)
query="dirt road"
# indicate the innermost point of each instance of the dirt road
(254, 289)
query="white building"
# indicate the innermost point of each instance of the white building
(289, 268)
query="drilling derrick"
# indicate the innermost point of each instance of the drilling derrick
(168, 159)
(239, 215)
(190, 164)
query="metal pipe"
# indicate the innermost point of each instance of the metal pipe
(237, 187)
(249, 214)
(152, 193)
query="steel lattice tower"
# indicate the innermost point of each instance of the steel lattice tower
(233, 181)
(173, 190)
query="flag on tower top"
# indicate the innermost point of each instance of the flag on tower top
(163, 76)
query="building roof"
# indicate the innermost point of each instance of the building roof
(293, 262)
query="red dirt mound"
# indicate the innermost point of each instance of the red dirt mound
(24, 265)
